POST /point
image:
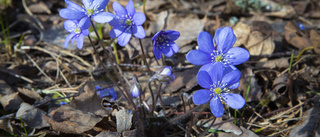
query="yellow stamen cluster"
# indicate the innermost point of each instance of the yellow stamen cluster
(217, 90)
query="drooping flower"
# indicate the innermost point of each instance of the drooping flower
(163, 42)
(219, 51)
(77, 31)
(135, 87)
(164, 75)
(126, 23)
(217, 83)
(106, 92)
(91, 8)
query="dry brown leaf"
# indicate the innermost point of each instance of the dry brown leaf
(30, 93)
(286, 11)
(32, 116)
(219, 124)
(315, 40)
(275, 63)
(242, 32)
(258, 44)
(124, 120)
(69, 120)
(185, 79)
(295, 37)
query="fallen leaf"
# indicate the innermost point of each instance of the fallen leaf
(242, 32)
(108, 134)
(246, 133)
(69, 120)
(286, 11)
(315, 40)
(124, 120)
(32, 116)
(274, 63)
(186, 79)
(30, 93)
(295, 37)
(259, 44)
(219, 124)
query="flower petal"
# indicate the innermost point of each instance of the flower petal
(117, 30)
(116, 21)
(234, 86)
(84, 23)
(225, 39)
(216, 73)
(70, 25)
(206, 67)
(173, 35)
(235, 101)
(201, 96)
(87, 3)
(167, 51)
(231, 78)
(216, 106)
(101, 4)
(130, 8)
(103, 17)
(139, 18)
(157, 35)
(85, 32)
(138, 32)
(174, 46)
(237, 55)
(120, 11)
(68, 38)
(73, 6)
(71, 14)
(156, 51)
(124, 38)
(198, 57)
(80, 41)
(204, 79)
(205, 42)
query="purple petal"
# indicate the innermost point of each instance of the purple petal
(216, 106)
(87, 3)
(115, 21)
(70, 25)
(103, 17)
(234, 86)
(124, 38)
(156, 52)
(80, 41)
(225, 39)
(205, 42)
(73, 6)
(167, 51)
(216, 73)
(238, 55)
(157, 35)
(173, 35)
(138, 32)
(135, 91)
(139, 18)
(100, 3)
(84, 23)
(204, 79)
(71, 14)
(206, 67)
(201, 96)
(68, 38)
(198, 57)
(235, 101)
(85, 32)
(117, 30)
(130, 8)
(231, 78)
(174, 46)
(120, 11)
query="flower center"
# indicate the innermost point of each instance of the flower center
(219, 58)
(90, 11)
(217, 90)
(77, 30)
(128, 22)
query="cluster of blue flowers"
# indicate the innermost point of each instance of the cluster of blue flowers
(218, 75)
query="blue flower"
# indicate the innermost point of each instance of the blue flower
(126, 23)
(91, 8)
(163, 42)
(63, 103)
(106, 92)
(135, 87)
(217, 83)
(165, 75)
(77, 31)
(219, 51)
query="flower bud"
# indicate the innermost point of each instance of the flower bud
(165, 75)
(135, 87)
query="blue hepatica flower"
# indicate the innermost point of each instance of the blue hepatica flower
(165, 75)
(135, 87)
(219, 51)
(106, 92)
(163, 42)
(77, 31)
(91, 8)
(217, 83)
(126, 23)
